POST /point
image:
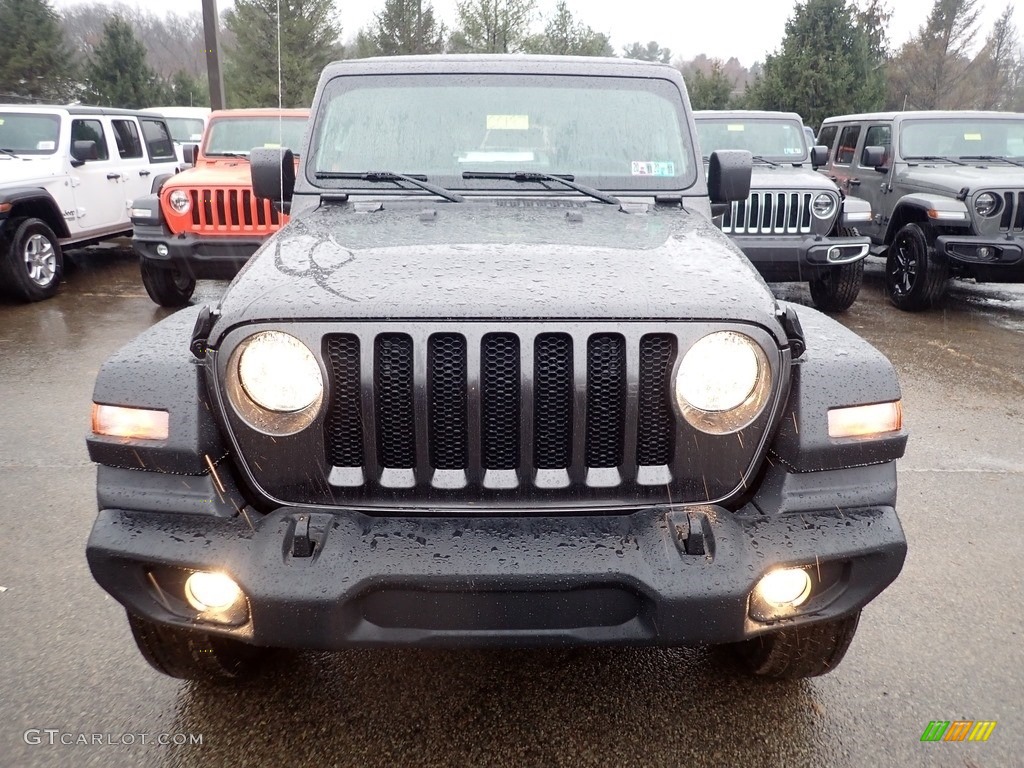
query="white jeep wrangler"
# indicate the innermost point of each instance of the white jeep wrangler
(68, 176)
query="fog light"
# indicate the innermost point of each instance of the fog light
(984, 252)
(835, 253)
(785, 588)
(206, 591)
(161, 250)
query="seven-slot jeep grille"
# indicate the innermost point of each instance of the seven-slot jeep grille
(488, 414)
(233, 211)
(770, 213)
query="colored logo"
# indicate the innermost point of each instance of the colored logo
(958, 730)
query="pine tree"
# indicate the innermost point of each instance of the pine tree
(564, 35)
(825, 65)
(492, 26)
(309, 41)
(408, 27)
(34, 59)
(650, 52)
(184, 90)
(709, 91)
(117, 72)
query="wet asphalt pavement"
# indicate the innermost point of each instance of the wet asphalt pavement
(945, 642)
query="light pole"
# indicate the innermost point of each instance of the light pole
(211, 32)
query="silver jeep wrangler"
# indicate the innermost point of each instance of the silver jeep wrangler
(947, 191)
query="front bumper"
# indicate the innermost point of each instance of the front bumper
(799, 257)
(201, 257)
(459, 581)
(989, 259)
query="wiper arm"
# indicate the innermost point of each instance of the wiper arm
(243, 155)
(8, 152)
(383, 176)
(990, 158)
(763, 159)
(935, 157)
(566, 180)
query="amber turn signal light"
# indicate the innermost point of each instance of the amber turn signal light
(865, 420)
(136, 423)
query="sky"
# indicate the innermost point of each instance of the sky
(746, 29)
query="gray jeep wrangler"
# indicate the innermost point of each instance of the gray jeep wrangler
(795, 225)
(499, 381)
(947, 192)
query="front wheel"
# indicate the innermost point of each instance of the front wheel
(914, 277)
(31, 261)
(168, 286)
(193, 655)
(797, 652)
(837, 289)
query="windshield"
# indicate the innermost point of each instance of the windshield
(962, 137)
(238, 135)
(611, 133)
(771, 139)
(185, 129)
(29, 134)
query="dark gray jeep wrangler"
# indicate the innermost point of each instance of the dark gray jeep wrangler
(947, 192)
(500, 381)
(795, 226)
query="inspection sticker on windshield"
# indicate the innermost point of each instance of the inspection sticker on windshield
(46, 146)
(972, 137)
(736, 127)
(508, 122)
(647, 168)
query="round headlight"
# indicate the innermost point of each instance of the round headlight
(179, 201)
(279, 373)
(986, 204)
(723, 382)
(823, 206)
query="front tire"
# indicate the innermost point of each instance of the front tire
(914, 277)
(32, 262)
(168, 286)
(193, 655)
(837, 289)
(797, 652)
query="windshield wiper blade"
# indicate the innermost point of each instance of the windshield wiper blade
(990, 158)
(763, 159)
(8, 152)
(564, 179)
(935, 157)
(243, 155)
(383, 176)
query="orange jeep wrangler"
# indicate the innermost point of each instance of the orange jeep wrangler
(205, 222)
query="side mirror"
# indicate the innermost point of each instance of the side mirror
(189, 152)
(84, 150)
(819, 156)
(872, 157)
(729, 175)
(273, 174)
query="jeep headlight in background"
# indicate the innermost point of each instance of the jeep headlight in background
(986, 204)
(823, 206)
(723, 382)
(179, 201)
(274, 383)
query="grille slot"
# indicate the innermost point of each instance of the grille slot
(500, 400)
(606, 400)
(229, 211)
(394, 412)
(552, 401)
(344, 426)
(448, 424)
(655, 422)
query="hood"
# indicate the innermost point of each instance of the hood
(231, 172)
(789, 177)
(28, 170)
(521, 259)
(952, 178)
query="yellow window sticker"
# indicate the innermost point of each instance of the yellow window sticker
(972, 137)
(737, 127)
(508, 122)
(1, 121)
(271, 146)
